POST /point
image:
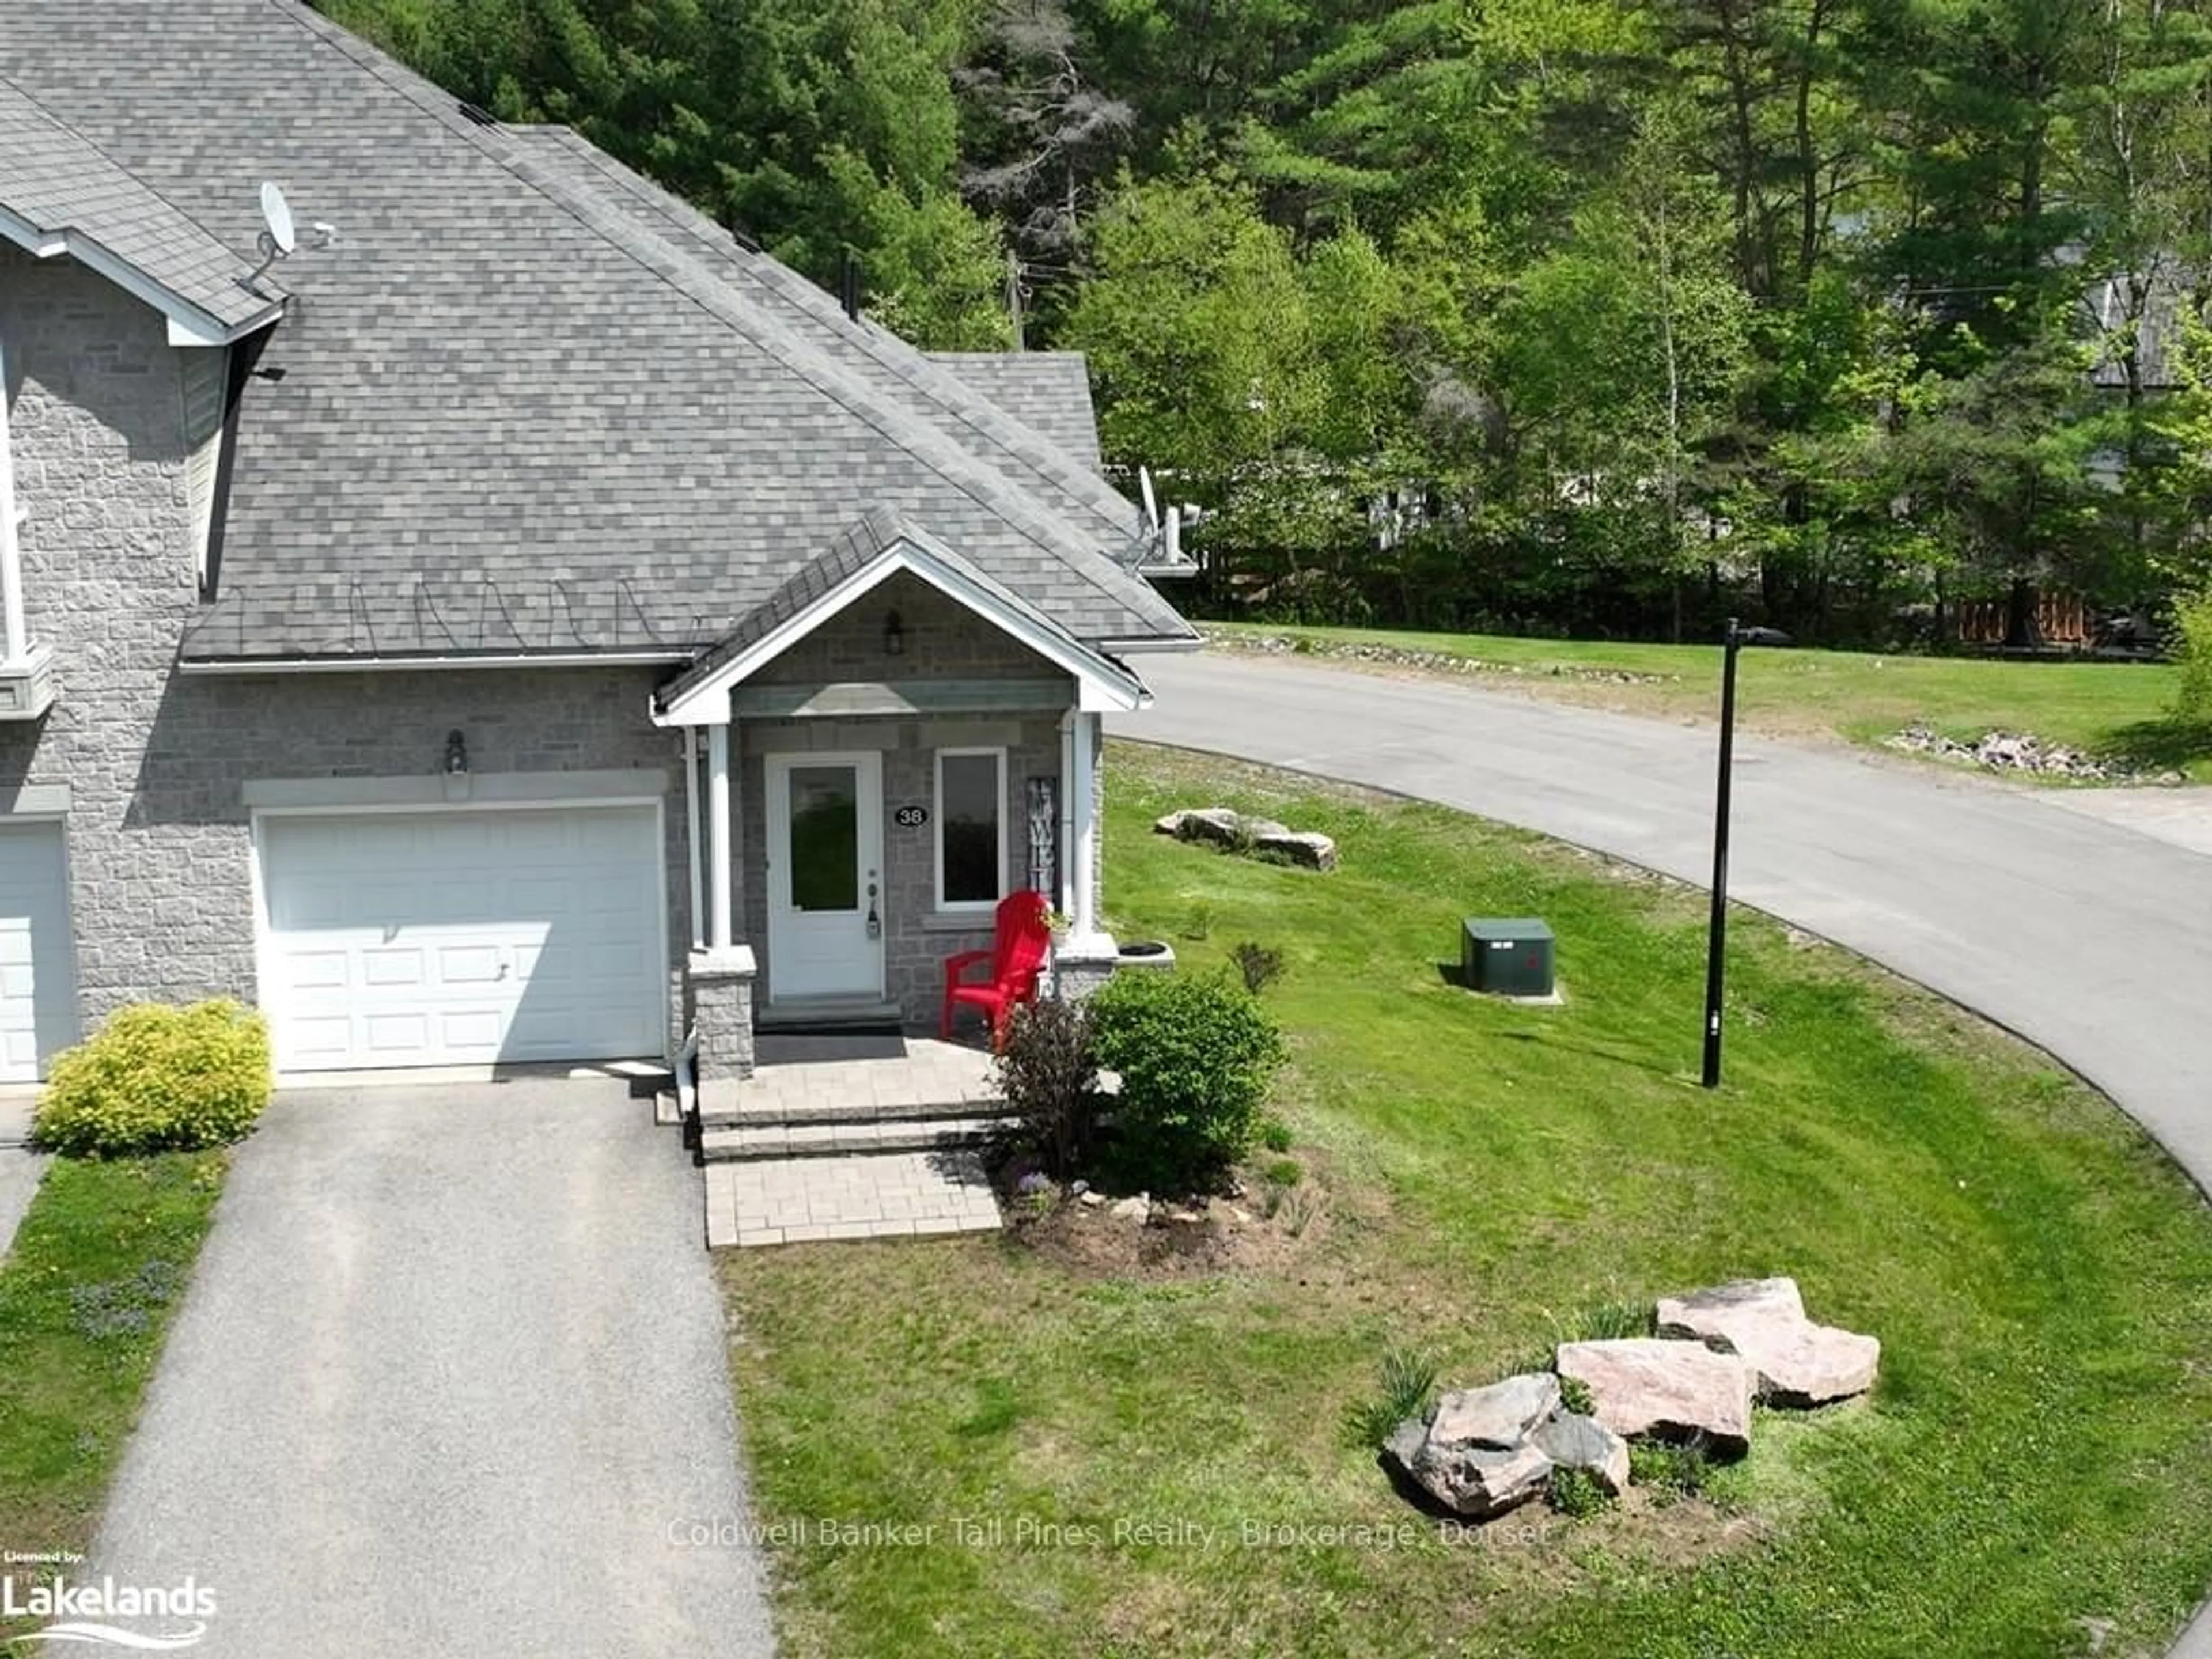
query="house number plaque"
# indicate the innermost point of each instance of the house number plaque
(910, 817)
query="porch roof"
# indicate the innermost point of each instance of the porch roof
(884, 543)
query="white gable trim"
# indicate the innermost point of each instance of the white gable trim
(189, 325)
(1101, 684)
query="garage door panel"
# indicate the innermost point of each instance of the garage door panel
(38, 997)
(464, 936)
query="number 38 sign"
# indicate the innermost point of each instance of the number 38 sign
(910, 817)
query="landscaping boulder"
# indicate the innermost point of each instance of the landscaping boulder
(1583, 1442)
(1797, 1362)
(1218, 826)
(1501, 1414)
(1215, 824)
(1474, 1454)
(1476, 1481)
(1308, 848)
(1667, 1390)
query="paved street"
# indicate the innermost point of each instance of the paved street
(450, 1381)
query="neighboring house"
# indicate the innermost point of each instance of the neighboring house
(526, 624)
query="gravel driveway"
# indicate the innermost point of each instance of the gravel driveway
(450, 1380)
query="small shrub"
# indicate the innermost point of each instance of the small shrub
(1577, 1493)
(2192, 619)
(1260, 966)
(156, 1078)
(1575, 1395)
(1275, 1135)
(1195, 1056)
(1050, 1083)
(1407, 1377)
(1674, 1471)
(1283, 1172)
(1300, 1207)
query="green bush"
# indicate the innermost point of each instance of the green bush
(1408, 1377)
(1195, 1056)
(156, 1079)
(2192, 619)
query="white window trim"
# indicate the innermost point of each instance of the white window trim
(963, 906)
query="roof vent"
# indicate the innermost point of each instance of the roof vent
(477, 113)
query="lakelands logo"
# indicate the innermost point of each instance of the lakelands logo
(80, 1611)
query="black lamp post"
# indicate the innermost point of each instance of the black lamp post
(1716, 937)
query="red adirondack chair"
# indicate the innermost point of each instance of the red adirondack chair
(1016, 957)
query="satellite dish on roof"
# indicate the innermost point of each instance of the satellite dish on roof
(1152, 502)
(276, 214)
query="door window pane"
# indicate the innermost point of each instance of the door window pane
(970, 796)
(825, 838)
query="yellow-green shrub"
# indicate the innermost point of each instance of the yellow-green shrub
(156, 1078)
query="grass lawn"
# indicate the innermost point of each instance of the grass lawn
(86, 1295)
(2115, 709)
(2038, 1450)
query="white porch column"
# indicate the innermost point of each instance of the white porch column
(718, 814)
(691, 840)
(1083, 854)
(15, 636)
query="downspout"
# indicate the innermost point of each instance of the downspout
(14, 634)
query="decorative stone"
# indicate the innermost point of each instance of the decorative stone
(1216, 824)
(1132, 1209)
(1583, 1442)
(1500, 1415)
(1472, 1480)
(1308, 848)
(1797, 1362)
(1090, 1201)
(1667, 1390)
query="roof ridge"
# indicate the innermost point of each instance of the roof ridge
(911, 365)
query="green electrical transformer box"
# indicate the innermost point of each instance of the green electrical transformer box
(1508, 957)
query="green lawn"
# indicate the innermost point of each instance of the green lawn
(86, 1295)
(2039, 1451)
(2117, 709)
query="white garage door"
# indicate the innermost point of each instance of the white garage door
(460, 937)
(38, 1005)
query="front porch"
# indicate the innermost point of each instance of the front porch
(870, 765)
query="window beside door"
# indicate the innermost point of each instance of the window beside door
(971, 828)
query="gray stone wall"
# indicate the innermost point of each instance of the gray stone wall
(159, 841)
(944, 639)
(916, 938)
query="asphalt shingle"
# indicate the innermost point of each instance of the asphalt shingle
(530, 402)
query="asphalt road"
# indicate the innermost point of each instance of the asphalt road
(2085, 926)
(449, 1380)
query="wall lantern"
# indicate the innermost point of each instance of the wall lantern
(457, 755)
(893, 635)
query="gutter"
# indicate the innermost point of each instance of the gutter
(216, 666)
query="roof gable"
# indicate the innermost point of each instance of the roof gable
(881, 546)
(61, 195)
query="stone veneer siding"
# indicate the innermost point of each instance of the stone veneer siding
(159, 841)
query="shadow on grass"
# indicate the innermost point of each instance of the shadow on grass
(1452, 974)
(2161, 745)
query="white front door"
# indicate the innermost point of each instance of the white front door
(825, 899)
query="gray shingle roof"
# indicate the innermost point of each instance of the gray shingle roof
(530, 403)
(62, 186)
(1048, 391)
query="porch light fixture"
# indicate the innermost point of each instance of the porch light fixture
(893, 635)
(457, 755)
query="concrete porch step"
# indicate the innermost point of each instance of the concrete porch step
(720, 1112)
(749, 1143)
(828, 1015)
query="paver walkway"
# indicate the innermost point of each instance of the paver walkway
(794, 1200)
(841, 1098)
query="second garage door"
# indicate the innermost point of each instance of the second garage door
(463, 936)
(37, 1008)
